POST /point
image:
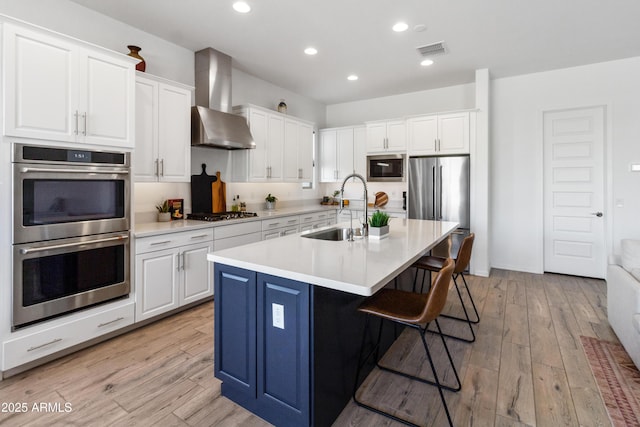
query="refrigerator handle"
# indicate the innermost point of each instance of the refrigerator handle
(433, 193)
(440, 193)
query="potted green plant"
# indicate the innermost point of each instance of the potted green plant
(379, 225)
(335, 197)
(271, 201)
(163, 211)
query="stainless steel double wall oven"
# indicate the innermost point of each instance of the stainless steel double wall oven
(71, 221)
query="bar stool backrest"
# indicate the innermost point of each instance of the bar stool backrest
(437, 296)
(464, 254)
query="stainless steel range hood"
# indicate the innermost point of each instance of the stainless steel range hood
(212, 124)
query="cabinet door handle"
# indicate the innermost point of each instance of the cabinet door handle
(84, 118)
(75, 132)
(199, 236)
(45, 344)
(101, 325)
(184, 261)
(178, 262)
(157, 167)
(161, 167)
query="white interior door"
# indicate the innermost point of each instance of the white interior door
(574, 241)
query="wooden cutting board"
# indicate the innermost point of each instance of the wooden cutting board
(201, 191)
(381, 199)
(218, 195)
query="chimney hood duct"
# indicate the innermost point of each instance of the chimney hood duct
(212, 124)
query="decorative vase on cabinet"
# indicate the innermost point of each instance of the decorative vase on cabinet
(135, 53)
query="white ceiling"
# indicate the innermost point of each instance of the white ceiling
(509, 37)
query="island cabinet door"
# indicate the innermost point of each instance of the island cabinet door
(283, 351)
(235, 332)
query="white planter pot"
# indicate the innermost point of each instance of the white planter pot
(271, 205)
(378, 232)
(164, 216)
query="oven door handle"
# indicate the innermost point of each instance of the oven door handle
(102, 171)
(25, 251)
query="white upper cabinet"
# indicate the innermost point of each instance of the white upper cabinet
(360, 150)
(298, 151)
(386, 136)
(342, 152)
(60, 89)
(439, 134)
(265, 161)
(163, 130)
(284, 148)
(328, 155)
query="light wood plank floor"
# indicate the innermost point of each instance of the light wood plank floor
(526, 368)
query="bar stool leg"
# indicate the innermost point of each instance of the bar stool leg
(436, 383)
(435, 375)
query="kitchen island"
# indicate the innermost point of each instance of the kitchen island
(287, 332)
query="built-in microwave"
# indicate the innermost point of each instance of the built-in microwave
(386, 167)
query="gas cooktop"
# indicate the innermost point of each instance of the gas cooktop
(221, 216)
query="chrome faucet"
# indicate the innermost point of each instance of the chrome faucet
(365, 225)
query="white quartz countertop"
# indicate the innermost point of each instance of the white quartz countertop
(360, 267)
(146, 229)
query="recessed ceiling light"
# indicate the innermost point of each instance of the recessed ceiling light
(426, 62)
(311, 51)
(241, 7)
(352, 77)
(419, 28)
(400, 27)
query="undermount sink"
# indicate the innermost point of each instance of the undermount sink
(334, 234)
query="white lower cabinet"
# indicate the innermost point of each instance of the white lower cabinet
(172, 270)
(34, 343)
(278, 227)
(314, 220)
(230, 236)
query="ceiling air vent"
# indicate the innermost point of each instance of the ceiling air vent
(432, 49)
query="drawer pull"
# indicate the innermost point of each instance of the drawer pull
(45, 344)
(112, 321)
(291, 221)
(200, 236)
(274, 224)
(161, 243)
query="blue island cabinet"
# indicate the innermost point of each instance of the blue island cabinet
(262, 344)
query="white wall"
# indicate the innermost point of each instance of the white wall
(248, 89)
(450, 98)
(516, 183)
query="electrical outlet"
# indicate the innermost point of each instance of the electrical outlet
(277, 313)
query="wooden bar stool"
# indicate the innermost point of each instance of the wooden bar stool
(412, 310)
(434, 263)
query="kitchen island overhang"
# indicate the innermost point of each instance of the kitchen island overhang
(361, 267)
(287, 330)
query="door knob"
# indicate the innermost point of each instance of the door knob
(598, 214)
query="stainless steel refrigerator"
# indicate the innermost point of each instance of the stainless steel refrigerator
(439, 190)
